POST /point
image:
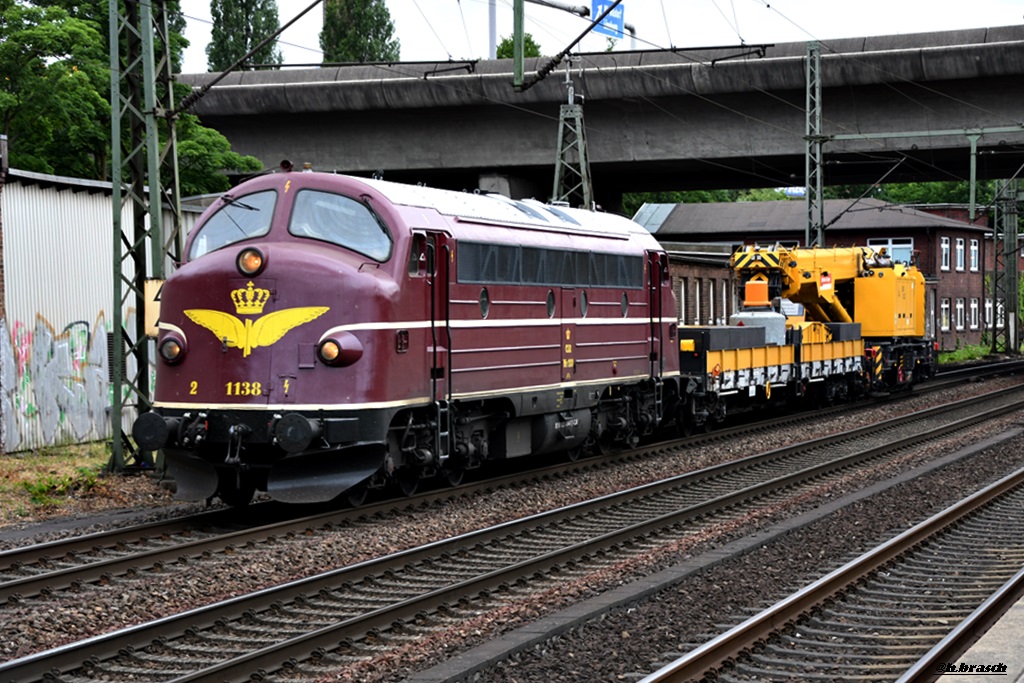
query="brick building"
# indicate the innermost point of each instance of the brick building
(953, 253)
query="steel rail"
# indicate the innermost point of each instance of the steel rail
(966, 632)
(718, 651)
(104, 569)
(124, 560)
(109, 645)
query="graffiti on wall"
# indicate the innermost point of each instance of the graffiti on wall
(55, 387)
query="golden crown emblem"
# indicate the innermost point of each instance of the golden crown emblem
(250, 301)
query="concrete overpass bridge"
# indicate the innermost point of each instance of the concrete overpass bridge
(663, 120)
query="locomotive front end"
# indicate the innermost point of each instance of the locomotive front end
(263, 370)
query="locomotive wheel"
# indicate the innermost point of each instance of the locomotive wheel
(355, 496)
(453, 474)
(684, 425)
(605, 444)
(408, 481)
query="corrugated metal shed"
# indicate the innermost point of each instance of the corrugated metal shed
(58, 269)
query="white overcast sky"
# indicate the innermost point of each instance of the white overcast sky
(459, 29)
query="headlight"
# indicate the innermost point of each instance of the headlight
(172, 349)
(339, 349)
(251, 262)
(329, 351)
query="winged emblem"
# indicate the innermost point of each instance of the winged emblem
(249, 334)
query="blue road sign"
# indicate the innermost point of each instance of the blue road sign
(613, 23)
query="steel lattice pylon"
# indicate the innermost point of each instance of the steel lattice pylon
(815, 203)
(144, 174)
(572, 165)
(572, 168)
(1005, 278)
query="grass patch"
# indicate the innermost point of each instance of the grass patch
(48, 477)
(965, 353)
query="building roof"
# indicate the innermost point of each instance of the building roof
(61, 183)
(728, 220)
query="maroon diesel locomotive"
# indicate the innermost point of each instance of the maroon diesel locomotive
(329, 334)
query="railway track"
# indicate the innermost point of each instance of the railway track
(423, 590)
(893, 614)
(70, 563)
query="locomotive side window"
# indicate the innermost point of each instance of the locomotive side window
(513, 264)
(238, 219)
(342, 221)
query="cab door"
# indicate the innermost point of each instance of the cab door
(439, 251)
(569, 313)
(658, 278)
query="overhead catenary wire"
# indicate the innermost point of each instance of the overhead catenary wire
(553, 63)
(431, 27)
(197, 94)
(776, 179)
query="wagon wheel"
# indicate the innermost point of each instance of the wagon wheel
(573, 454)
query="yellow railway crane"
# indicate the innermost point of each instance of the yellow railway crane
(839, 286)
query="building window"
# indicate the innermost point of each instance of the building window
(959, 314)
(696, 301)
(988, 313)
(960, 253)
(682, 301)
(1000, 314)
(974, 255)
(945, 253)
(725, 302)
(711, 302)
(974, 314)
(899, 249)
(944, 315)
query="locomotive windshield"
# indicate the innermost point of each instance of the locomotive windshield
(237, 219)
(342, 221)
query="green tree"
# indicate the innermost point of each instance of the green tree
(97, 12)
(53, 104)
(55, 95)
(239, 26)
(358, 31)
(203, 156)
(944, 192)
(505, 47)
(762, 194)
(632, 201)
(936, 192)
